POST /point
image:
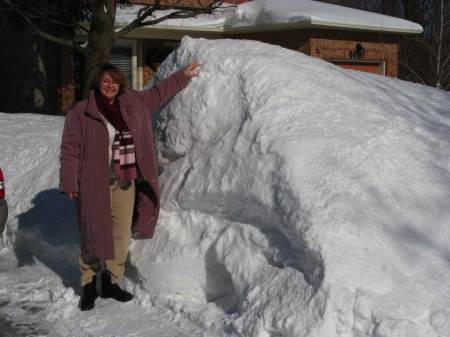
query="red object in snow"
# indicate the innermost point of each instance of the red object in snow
(2, 185)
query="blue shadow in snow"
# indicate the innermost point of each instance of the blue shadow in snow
(48, 232)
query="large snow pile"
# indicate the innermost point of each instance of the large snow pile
(315, 200)
(299, 199)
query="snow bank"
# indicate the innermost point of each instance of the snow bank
(299, 199)
(41, 224)
(29, 150)
(302, 199)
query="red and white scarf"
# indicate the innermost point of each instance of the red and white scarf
(123, 152)
(124, 157)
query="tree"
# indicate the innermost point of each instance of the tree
(424, 58)
(59, 21)
(441, 41)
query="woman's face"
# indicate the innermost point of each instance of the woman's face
(108, 88)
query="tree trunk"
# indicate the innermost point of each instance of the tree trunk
(439, 41)
(100, 40)
(39, 103)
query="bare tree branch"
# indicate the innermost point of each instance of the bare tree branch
(446, 61)
(41, 33)
(42, 16)
(417, 76)
(446, 76)
(148, 11)
(142, 14)
(427, 46)
(174, 15)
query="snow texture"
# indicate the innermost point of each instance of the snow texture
(269, 12)
(299, 200)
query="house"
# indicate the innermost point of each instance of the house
(347, 37)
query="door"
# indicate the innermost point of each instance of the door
(373, 67)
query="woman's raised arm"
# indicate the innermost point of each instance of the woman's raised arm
(167, 88)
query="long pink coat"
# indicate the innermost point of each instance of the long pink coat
(85, 164)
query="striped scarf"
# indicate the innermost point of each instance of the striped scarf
(124, 157)
(123, 151)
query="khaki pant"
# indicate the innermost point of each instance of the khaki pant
(122, 204)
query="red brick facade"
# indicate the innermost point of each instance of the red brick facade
(336, 46)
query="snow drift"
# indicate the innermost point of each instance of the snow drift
(299, 199)
(323, 194)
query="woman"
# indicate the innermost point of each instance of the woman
(108, 166)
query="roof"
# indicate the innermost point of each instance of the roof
(174, 3)
(262, 15)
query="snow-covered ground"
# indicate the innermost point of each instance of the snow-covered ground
(299, 199)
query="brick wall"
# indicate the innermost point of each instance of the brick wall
(334, 45)
(339, 50)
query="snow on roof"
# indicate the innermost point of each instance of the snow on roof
(296, 13)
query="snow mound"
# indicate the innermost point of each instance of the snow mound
(302, 199)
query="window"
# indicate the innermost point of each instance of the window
(122, 55)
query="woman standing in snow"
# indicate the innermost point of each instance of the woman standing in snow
(108, 165)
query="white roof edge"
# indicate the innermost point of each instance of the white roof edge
(294, 25)
(217, 29)
(324, 23)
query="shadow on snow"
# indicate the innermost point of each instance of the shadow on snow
(48, 232)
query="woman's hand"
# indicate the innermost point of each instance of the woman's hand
(192, 70)
(72, 195)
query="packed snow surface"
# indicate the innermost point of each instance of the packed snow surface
(299, 199)
(269, 12)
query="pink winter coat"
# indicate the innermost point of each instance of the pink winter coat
(85, 164)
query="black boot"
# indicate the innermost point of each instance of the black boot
(88, 296)
(112, 290)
